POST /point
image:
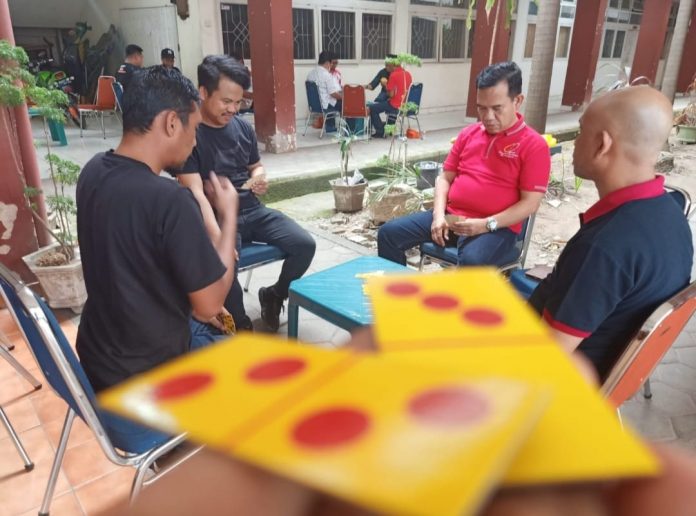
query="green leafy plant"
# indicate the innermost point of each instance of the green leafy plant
(17, 87)
(345, 139)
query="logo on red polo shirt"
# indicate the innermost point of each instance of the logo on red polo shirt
(510, 151)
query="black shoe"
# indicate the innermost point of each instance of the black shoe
(245, 324)
(271, 306)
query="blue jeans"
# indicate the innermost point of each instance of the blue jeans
(331, 122)
(376, 109)
(398, 235)
(262, 224)
(203, 334)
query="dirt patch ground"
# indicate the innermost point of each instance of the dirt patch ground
(556, 221)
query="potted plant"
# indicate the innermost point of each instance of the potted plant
(686, 120)
(348, 191)
(406, 107)
(396, 194)
(57, 266)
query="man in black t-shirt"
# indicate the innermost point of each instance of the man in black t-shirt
(148, 263)
(134, 61)
(633, 250)
(382, 78)
(227, 145)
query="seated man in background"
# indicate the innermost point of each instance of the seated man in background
(397, 88)
(494, 178)
(226, 144)
(330, 92)
(633, 250)
(147, 259)
(134, 61)
(382, 78)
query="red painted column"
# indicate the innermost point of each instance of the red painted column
(687, 69)
(270, 32)
(651, 38)
(19, 165)
(584, 52)
(488, 47)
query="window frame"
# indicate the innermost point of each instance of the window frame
(440, 14)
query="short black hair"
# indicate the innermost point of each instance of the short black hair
(133, 49)
(507, 71)
(153, 90)
(326, 56)
(212, 67)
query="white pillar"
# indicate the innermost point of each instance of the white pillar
(520, 36)
(402, 26)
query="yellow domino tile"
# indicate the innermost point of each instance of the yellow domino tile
(396, 439)
(467, 306)
(222, 392)
(578, 438)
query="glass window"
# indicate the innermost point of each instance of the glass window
(423, 37)
(453, 39)
(303, 33)
(563, 42)
(376, 35)
(338, 33)
(235, 30)
(529, 43)
(618, 44)
(608, 43)
(614, 4)
(533, 9)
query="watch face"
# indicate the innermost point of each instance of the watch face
(492, 224)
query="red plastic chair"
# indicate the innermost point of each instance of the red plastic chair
(650, 344)
(104, 102)
(354, 105)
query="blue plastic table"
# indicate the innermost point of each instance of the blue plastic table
(336, 294)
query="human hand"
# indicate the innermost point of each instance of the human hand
(221, 194)
(470, 227)
(260, 185)
(439, 229)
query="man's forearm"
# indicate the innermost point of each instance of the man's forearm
(517, 212)
(442, 187)
(226, 249)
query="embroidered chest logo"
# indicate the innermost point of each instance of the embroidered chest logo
(510, 151)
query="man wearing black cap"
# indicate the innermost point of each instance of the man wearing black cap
(167, 56)
(382, 77)
(134, 61)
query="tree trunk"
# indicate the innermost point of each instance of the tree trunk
(542, 64)
(676, 49)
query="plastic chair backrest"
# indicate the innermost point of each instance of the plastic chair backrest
(646, 349)
(354, 105)
(106, 99)
(415, 92)
(525, 237)
(681, 197)
(313, 99)
(118, 93)
(48, 344)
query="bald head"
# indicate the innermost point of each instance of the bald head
(638, 119)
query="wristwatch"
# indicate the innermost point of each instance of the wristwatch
(491, 224)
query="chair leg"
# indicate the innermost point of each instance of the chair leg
(57, 461)
(102, 123)
(618, 415)
(248, 280)
(419, 129)
(422, 262)
(80, 124)
(19, 367)
(323, 125)
(647, 391)
(306, 125)
(28, 464)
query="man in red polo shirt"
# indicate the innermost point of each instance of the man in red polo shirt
(493, 179)
(397, 87)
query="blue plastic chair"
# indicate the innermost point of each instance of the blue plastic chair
(123, 442)
(314, 103)
(118, 93)
(256, 254)
(447, 256)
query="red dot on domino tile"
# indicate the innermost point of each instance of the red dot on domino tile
(440, 302)
(448, 406)
(331, 427)
(402, 289)
(483, 316)
(182, 386)
(276, 369)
